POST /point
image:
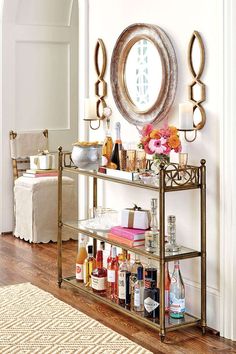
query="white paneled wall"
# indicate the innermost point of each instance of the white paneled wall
(179, 19)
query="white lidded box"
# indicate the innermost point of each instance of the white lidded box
(135, 218)
(42, 162)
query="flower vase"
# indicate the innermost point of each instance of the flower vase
(157, 159)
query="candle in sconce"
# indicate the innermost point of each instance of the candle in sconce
(90, 108)
(186, 116)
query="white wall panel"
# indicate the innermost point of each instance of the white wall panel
(42, 86)
(44, 12)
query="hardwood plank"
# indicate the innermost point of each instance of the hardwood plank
(21, 262)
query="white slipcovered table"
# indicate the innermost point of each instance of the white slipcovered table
(36, 207)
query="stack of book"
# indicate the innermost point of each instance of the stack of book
(40, 173)
(130, 237)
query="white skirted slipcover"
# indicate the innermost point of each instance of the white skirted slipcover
(36, 207)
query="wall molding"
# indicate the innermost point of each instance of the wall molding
(228, 173)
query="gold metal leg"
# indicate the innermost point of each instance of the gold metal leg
(95, 204)
(59, 238)
(203, 246)
(162, 250)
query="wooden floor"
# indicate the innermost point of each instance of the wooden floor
(36, 263)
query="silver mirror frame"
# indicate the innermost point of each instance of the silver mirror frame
(166, 96)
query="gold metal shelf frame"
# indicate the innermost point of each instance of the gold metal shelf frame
(168, 175)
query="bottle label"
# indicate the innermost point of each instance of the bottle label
(111, 276)
(98, 283)
(121, 285)
(150, 305)
(137, 297)
(79, 271)
(176, 305)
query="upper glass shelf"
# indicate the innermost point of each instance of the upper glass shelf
(184, 252)
(175, 179)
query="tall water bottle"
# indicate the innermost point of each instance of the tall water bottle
(177, 293)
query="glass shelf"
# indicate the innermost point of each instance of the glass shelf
(171, 181)
(170, 323)
(184, 252)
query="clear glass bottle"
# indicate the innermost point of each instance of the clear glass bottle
(108, 143)
(124, 293)
(81, 256)
(89, 266)
(151, 237)
(167, 288)
(139, 291)
(172, 245)
(112, 276)
(177, 293)
(134, 276)
(99, 276)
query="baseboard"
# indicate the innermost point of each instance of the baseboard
(193, 303)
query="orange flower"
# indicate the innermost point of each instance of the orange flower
(155, 134)
(173, 130)
(174, 141)
(145, 139)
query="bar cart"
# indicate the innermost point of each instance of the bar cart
(195, 178)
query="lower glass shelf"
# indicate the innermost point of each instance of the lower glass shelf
(170, 323)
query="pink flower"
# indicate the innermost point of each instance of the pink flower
(178, 149)
(147, 150)
(165, 132)
(157, 146)
(147, 129)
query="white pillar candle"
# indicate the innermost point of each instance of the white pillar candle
(185, 116)
(90, 110)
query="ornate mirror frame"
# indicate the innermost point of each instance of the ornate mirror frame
(165, 98)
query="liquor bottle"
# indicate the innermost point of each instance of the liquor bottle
(172, 245)
(99, 276)
(151, 237)
(109, 258)
(151, 300)
(89, 266)
(167, 288)
(81, 256)
(150, 273)
(139, 291)
(124, 293)
(112, 276)
(134, 276)
(108, 143)
(151, 292)
(177, 293)
(115, 158)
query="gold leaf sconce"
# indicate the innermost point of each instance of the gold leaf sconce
(197, 89)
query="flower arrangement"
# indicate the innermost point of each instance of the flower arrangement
(160, 141)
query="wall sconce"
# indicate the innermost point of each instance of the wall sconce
(94, 109)
(196, 91)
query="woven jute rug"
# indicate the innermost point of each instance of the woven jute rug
(34, 321)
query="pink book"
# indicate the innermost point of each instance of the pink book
(129, 234)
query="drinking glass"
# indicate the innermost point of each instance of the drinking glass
(183, 160)
(140, 160)
(131, 158)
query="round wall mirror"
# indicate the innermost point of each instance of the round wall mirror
(143, 74)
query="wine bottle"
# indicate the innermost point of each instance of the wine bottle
(139, 291)
(177, 293)
(115, 158)
(112, 276)
(134, 276)
(108, 144)
(167, 288)
(81, 256)
(89, 266)
(99, 276)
